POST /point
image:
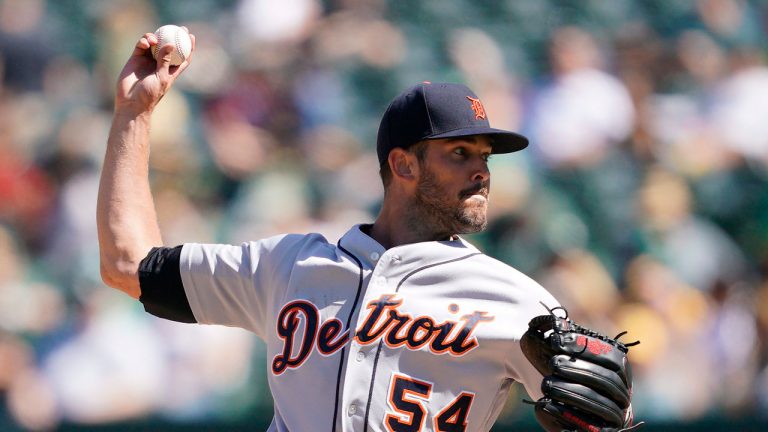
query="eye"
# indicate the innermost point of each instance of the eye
(461, 151)
(486, 157)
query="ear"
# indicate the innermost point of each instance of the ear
(403, 164)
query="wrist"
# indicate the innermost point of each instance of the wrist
(133, 107)
(127, 112)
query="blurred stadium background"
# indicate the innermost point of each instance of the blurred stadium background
(642, 202)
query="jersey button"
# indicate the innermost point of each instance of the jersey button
(360, 356)
(375, 256)
(352, 410)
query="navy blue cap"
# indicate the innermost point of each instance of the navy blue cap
(439, 110)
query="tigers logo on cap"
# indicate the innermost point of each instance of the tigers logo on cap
(477, 107)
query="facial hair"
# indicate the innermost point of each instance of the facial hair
(445, 215)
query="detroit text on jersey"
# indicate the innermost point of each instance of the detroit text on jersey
(383, 321)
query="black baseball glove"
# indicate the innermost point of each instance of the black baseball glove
(587, 382)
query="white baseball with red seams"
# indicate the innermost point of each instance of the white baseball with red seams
(177, 36)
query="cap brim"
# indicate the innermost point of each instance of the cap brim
(502, 141)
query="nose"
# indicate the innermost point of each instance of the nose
(481, 173)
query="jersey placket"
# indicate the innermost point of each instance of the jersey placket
(362, 359)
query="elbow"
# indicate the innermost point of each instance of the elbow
(121, 277)
(108, 275)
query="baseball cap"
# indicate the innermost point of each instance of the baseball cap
(439, 110)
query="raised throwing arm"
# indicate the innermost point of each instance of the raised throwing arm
(125, 214)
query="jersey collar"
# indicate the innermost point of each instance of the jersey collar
(368, 250)
(363, 246)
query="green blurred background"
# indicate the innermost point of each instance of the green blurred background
(641, 204)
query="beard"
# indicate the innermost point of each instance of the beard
(446, 215)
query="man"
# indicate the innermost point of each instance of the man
(400, 326)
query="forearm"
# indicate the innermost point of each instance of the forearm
(126, 217)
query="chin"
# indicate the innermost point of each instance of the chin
(472, 221)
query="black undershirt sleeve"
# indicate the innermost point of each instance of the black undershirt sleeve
(162, 292)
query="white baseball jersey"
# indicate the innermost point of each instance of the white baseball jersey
(422, 336)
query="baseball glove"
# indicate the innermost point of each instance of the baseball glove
(587, 382)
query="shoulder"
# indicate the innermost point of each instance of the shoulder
(278, 247)
(516, 284)
(281, 242)
(290, 242)
(497, 268)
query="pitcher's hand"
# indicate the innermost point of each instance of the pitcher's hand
(144, 81)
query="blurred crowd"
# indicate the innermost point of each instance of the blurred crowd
(642, 203)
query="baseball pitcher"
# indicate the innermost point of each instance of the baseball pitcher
(401, 325)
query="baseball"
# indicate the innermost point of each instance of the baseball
(172, 34)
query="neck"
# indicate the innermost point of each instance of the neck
(401, 223)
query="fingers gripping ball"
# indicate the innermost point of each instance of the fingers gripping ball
(587, 382)
(177, 36)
